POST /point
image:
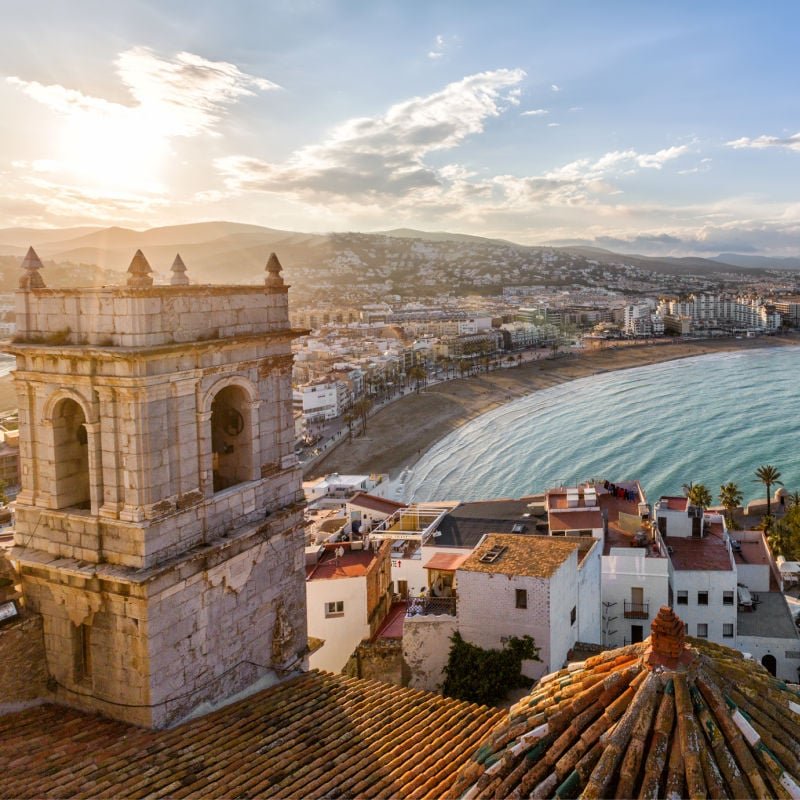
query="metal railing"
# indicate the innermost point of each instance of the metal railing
(423, 605)
(637, 610)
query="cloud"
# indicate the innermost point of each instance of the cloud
(535, 112)
(555, 87)
(366, 158)
(117, 153)
(704, 165)
(574, 109)
(370, 168)
(553, 124)
(185, 96)
(441, 46)
(763, 142)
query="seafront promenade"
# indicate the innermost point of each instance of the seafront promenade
(400, 432)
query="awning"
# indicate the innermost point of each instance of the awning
(446, 561)
(789, 566)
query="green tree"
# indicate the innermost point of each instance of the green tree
(769, 476)
(486, 676)
(731, 497)
(784, 535)
(699, 495)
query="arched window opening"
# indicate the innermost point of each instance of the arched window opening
(770, 664)
(231, 444)
(71, 455)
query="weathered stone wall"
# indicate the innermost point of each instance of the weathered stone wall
(220, 629)
(426, 648)
(158, 315)
(23, 666)
(161, 543)
(148, 426)
(379, 661)
(166, 639)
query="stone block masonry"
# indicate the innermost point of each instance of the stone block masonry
(159, 525)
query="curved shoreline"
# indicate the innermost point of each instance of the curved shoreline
(399, 434)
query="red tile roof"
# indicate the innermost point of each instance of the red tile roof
(353, 564)
(315, 736)
(675, 503)
(375, 503)
(674, 720)
(583, 519)
(698, 553)
(446, 561)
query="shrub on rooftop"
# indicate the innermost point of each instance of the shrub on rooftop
(486, 676)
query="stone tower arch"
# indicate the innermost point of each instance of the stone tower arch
(159, 489)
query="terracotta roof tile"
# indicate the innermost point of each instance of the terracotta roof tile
(663, 718)
(534, 556)
(313, 736)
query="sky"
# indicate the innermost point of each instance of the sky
(659, 128)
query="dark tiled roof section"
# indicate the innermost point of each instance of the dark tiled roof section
(468, 522)
(614, 725)
(318, 735)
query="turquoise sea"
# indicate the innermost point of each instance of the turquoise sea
(707, 419)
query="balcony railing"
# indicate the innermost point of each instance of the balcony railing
(424, 605)
(637, 610)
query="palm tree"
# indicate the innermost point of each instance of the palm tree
(699, 496)
(731, 498)
(769, 476)
(419, 374)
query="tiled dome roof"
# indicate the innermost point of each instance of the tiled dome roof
(668, 717)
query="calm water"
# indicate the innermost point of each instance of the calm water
(708, 419)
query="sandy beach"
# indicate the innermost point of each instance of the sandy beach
(400, 433)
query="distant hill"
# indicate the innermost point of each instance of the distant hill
(759, 262)
(396, 260)
(689, 265)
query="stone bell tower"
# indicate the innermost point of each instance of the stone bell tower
(159, 525)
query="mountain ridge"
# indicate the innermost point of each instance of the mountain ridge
(231, 251)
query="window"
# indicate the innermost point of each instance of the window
(702, 630)
(727, 599)
(727, 630)
(231, 445)
(71, 455)
(334, 609)
(522, 598)
(573, 615)
(702, 598)
(683, 597)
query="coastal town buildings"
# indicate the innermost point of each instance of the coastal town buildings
(509, 585)
(678, 555)
(187, 557)
(347, 597)
(708, 312)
